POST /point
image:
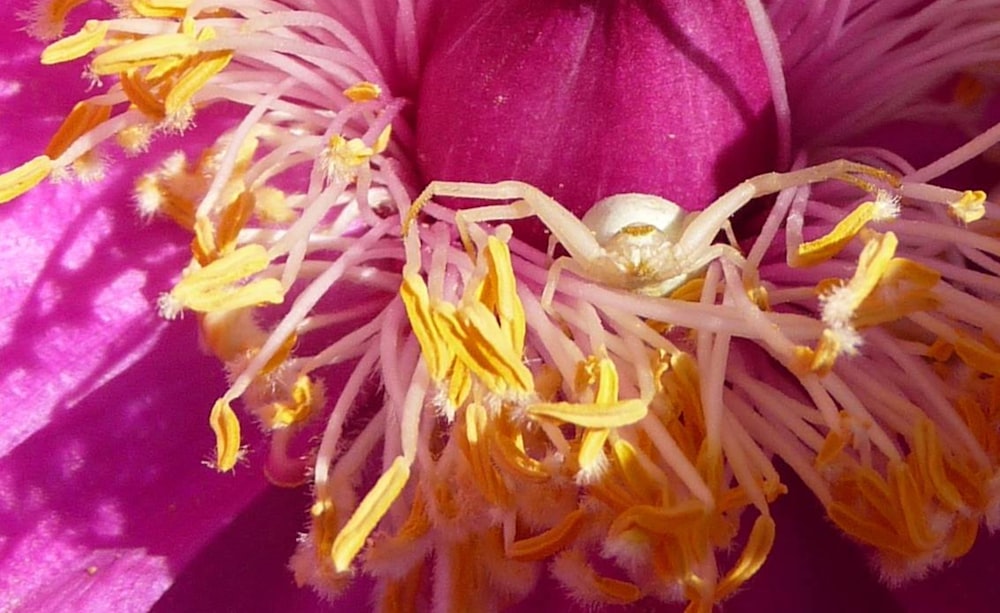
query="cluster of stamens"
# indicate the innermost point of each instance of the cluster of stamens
(524, 423)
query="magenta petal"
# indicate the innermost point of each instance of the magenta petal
(589, 99)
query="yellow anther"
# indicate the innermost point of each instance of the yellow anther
(233, 219)
(382, 140)
(511, 457)
(548, 543)
(978, 356)
(500, 292)
(175, 9)
(145, 52)
(459, 388)
(963, 537)
(970, 207)
(478, 454)
(825, 247)
(822, 359)
(76, 45)
(833, 445)
(475, 337)
(15, 182)
(433, 347)
(84, 117)
(930, 462)
(137, 90)
(637, 476)
(369, 513)
(214, 287)
(205, 66)
(940, 351)
(872, 265)
(591, 453)
(227, 435)
(675, 520)
(297, 410)
(344, 157)
(758, 546)
(203, 246)
(913, 506)
(591, 415)
(364, 91)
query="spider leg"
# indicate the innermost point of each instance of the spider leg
(707, 224)
(528, 200)
(551, 280)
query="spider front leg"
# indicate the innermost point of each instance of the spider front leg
(528, 201)
(706, 225)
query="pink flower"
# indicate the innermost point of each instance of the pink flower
(579, 430)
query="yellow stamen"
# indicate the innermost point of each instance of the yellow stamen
(156, 9)
(15, 182)
(149, 51)
(591, 451)
(509, 454)
(834, 443)
(873, 263)
(820, 360)
(234, 218)
(206, 66)
(298, 410)
(433, 347)
(369, 513)
(475, 337)
(970, 207)
(500, 292)
(478, 453)
(227, 435)
(382, 140)
(138, 90)
(548, 543)
(908, 495)
(591, 415)
(363, 92)
(675, 520)
(637, 476)
(83, 118)
(978, 356)
(930, 463)
(213, 288)
(758, 546)
(825, 247)
(77, 45)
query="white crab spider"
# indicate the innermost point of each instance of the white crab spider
(636, 242)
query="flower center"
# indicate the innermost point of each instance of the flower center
(589, 99)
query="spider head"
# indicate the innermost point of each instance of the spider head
(637, 233)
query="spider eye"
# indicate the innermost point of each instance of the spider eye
(634, 214)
